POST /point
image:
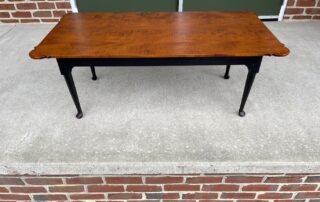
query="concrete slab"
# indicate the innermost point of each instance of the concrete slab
(160, 119)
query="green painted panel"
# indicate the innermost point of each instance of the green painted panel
(261, 7)
(127, 5)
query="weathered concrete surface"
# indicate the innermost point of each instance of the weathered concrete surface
(160, 119)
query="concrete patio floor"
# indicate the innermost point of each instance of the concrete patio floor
(160, 119)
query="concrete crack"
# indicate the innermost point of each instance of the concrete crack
(7, 32)
(14, 147)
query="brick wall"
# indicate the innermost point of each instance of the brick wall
(32, 11)
(44, 11)
(197, 188)
(303, 10)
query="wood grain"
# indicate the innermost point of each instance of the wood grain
(159, 35)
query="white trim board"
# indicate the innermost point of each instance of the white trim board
(262, 17)
(74, 6)
(283, 9)
(180, 6)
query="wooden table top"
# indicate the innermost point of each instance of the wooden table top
(159, 35)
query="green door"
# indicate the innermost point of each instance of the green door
(126, 5)
(260, 7)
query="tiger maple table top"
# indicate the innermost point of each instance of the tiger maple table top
(159, 35)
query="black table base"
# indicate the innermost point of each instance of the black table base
(66, 66)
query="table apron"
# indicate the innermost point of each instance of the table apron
(72, 62)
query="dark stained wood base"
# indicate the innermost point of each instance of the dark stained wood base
(66, 66)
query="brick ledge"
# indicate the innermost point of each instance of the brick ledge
(158, 167)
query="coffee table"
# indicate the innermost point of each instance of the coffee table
(157, 39)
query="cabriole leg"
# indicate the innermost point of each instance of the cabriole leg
(226, 75)
(247, 88)
(94, 76)
(253, 69)
(66, 72)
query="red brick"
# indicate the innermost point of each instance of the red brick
(316, 17)
(311, 179)
(7, 7)
(49, 20)
(45, 5)
(308, 195)
(21, 14)
(301, 187)
(29, 20)
(9, 20)
(186, 200)
(275, 196)
(204, 180)
(3, 190)
(59, 13)
(181, 187)
(259, 187)
(170, 196)
(105, 188)
(14, 197)
(66, 189)
(306, 3)
(4, 15)
(290, 2)
(84, 180)
(283, 179)
(162, 196)
(26, 6)
(43, 181)
(252, 200)
(289, 200)
(124, 180)
(86, 196)
(138, 201)
(220, 187)
(49, 197)
(293, 11)
(243, 179)
(164, 180)
(42, 14)
(238, 195)
(125, 196)
(313, 11)
(304, 17)
(216, 200)
(10, 181)
(200, 196)
(63, 5)
(143, 188)
(28, 189)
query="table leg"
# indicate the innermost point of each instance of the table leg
(226, 75)
(66, 71)
(253, 69)
(94, 76)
